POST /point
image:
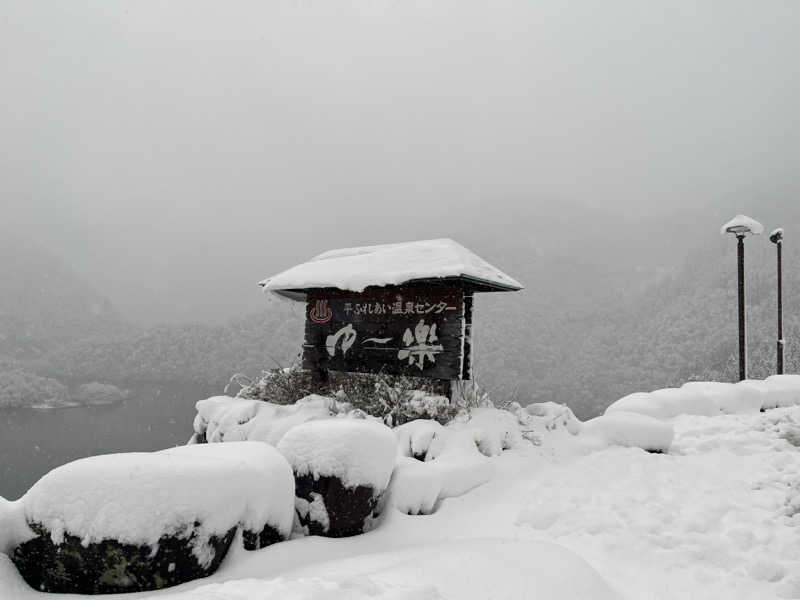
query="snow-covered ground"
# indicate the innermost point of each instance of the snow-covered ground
(714, 518)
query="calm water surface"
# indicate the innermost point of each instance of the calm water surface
(33, 441)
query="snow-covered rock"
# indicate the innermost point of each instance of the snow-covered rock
(342, 468)
(124, 521)
(632, 430)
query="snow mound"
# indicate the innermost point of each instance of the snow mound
(137, 498)
(357, 452)
(710, 398)
(632, 430)
(355, 269)
(227, 419)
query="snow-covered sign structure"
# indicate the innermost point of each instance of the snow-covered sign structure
(403, 309)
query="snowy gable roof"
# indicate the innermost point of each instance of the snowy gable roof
(355, 269)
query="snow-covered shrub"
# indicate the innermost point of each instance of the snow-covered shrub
(226, 419)
(341, 468)
(415, 437)
(142, 521)
(495, 430)
(782, 390)
(709, 398)
(631, 429)
(278, 386)
(416, 486)
(551, 416)
(394, 398)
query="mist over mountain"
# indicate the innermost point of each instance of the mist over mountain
(613, 303)
(45, 303)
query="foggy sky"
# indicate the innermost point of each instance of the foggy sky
(178, 152)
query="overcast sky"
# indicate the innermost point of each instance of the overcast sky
(177, 152)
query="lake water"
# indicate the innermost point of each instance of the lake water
(32, 442)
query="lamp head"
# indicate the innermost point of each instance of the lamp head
(776, 237)
(741, 225)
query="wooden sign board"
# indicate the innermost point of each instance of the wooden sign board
(414, 331)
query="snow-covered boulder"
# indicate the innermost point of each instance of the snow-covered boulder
(631, 429)
(143, 521)
(227, 419)
(342, 468)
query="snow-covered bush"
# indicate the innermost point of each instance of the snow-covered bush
(394, 398)
(782, 390)
(709, 398)
(630, 429)
(341, 468)
(141, 521)
(550, 416)
(226, 419)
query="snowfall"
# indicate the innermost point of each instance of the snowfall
(538, 504)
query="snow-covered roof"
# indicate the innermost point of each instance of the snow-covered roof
(354, 269)
(748, 224)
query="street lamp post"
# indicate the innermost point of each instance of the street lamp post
(776, 237)
(741, 226)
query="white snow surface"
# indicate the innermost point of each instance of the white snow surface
(465, 570)
(715, 518)
(743, 221)
(138, 497)
(356, 451)
(355, 269)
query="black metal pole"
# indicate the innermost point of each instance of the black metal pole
(742, 332)
(780, 310)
